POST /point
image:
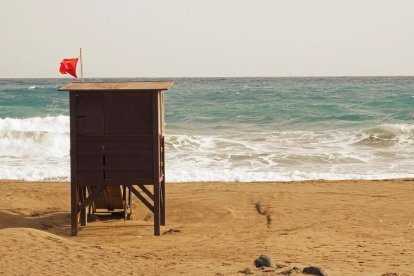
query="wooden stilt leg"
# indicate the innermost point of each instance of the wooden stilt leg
(124, 202)
(163, 177)
(124, 197)
(83, 215)
(74, 207)
(157, 194)
(163, 202)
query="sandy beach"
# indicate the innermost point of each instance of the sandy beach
(345, 227)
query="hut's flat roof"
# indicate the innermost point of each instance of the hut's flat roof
(125, 86)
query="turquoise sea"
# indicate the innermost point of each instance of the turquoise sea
(235, 129)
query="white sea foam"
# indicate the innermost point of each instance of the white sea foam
(377, 153)
(34, 148)
(38, 149)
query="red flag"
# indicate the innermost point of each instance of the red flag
(68, 66)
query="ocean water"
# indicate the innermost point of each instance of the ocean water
(235, 129)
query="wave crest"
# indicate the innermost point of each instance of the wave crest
(387, 135)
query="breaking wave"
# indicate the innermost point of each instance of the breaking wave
(38, 149)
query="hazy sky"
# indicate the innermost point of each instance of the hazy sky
(174, 38)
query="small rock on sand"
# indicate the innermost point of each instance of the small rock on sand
(265, 261)
(314, 270)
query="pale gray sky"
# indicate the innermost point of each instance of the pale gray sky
(173, 38)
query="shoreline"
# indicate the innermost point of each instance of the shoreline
(353, 227)
(237, 182)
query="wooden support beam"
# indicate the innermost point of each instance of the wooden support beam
(92, 197)
(162, 203)
(83, 215)
(146, 191)
(157, 221)
(74, 211)
(124, 202)
(163, 175)
(140, 197)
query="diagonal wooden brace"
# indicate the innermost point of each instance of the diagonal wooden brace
(91, 198)
(138, 195)
(146, 191)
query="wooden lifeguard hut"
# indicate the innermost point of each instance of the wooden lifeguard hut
(117, 148)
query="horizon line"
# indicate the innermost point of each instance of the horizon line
(221, 77)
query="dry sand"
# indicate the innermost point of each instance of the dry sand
(346, 227)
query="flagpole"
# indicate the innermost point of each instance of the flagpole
(81, 60)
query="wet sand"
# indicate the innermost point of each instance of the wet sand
(345, 227)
